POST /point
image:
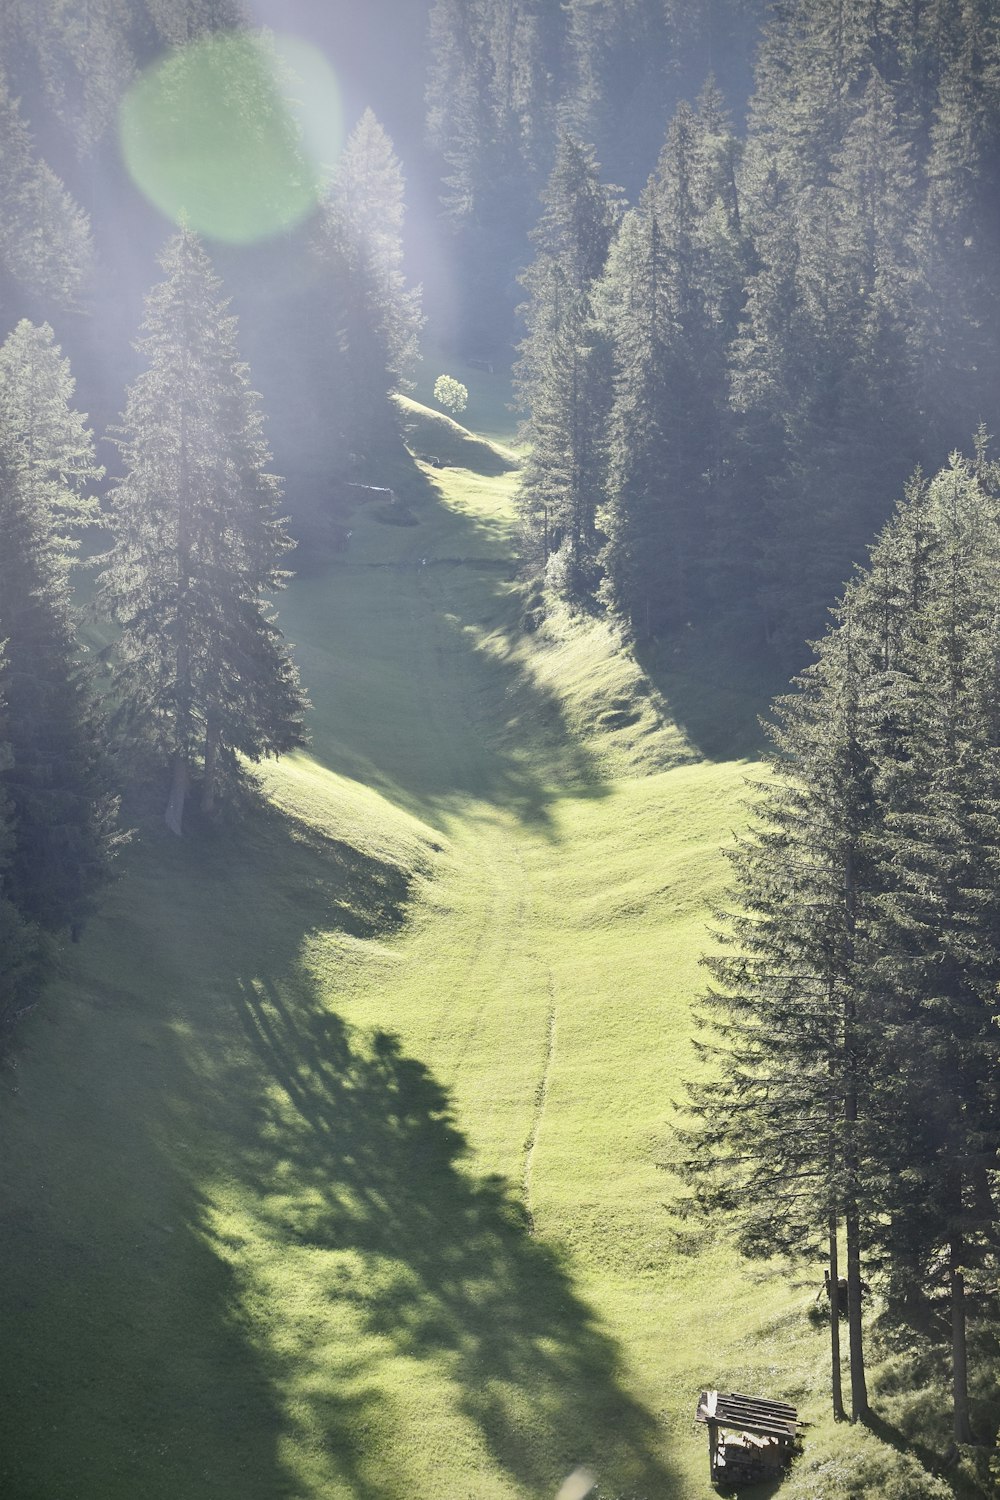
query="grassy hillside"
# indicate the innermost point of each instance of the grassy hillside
(330, 1166)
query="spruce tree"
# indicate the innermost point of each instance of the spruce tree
(493, 90)
(56, 446)
(45, 242)
(56, 783)
(782, 1130)
(201, 668)
(857, 987)
(563, 375)
(670, 312)
(360, 245)
(936, 930)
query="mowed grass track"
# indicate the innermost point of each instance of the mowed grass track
(330, 1166)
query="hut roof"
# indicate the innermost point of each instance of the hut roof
(748, 1414)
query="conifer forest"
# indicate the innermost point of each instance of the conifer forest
(499, 749)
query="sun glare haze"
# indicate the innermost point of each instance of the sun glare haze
(232, 133)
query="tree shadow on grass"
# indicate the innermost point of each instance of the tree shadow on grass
(716, 690)
(113, 1390)
(359, 1155)
(445, 711)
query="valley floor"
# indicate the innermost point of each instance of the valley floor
(332, 1166)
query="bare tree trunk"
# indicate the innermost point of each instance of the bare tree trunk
(962, 1426)
(860, 1409)
(839, 1414)
(181, 775)
(211, 764)
(174, 815)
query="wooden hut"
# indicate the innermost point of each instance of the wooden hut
(750, 1439)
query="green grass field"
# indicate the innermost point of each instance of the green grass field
(331, 1164)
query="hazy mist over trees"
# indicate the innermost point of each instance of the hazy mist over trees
(741, 261)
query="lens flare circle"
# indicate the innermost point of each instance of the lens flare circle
(232, 133)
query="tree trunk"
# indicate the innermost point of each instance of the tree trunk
(962, 1427)
(860, 1409)
(211, 763)
(839, 1414)
(174, 815)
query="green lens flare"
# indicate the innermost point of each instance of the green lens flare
(230, 133)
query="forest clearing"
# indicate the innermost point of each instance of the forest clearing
(346, 1181)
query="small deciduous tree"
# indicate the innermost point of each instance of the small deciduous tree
(451, 393)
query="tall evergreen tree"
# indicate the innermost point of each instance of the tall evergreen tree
(782, 1129)
(563, 375)
(45, 242)
(201, 667)
(361, 247)
(825, 372)
(670, 322)
(859, 980)
(56, 446)
(56, 782)
(936, 930)
(493, 91)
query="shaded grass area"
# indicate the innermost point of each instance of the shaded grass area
(270, 1267)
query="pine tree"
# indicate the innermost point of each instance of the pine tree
(563, 473)
(201, 667)
(670, 322)
(563, 375)
(45, 243)
(782, 1133)
(57, 447)
(826, 368)
(493, 91)
(633, 306)
(56, 784)
(857, 987)
(361, 247)
(937, 930)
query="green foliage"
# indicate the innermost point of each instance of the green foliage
(562, 375)
(45, 243)
(837, 1464)
(201, 669)
(55, 782)
(854, 1024)
(451, 393)
(55, 445)
(360, 249)
(668, 303)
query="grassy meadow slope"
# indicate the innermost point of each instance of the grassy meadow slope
(330, 1166)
